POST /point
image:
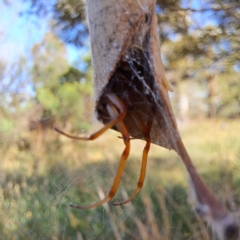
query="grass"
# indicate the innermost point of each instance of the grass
(38, 183)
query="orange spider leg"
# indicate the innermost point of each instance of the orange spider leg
(146, 131)
(117, 118)
(122, 128)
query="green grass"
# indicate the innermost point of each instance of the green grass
(38, 183)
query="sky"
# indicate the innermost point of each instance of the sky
(19, 33)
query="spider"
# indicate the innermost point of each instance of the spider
(117, 111)
(130, 104)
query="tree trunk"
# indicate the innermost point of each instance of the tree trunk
(212, 94)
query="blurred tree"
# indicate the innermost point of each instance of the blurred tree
(60, 89)
(230, 93)
(69, 20)
(15, 100)
(201, 54)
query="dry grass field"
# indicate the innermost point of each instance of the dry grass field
(41, 173)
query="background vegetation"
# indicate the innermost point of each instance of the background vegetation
(41, 172)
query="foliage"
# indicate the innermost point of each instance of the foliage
(230, 89)
(69, 19)
(60, 89)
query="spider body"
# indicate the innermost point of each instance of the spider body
(133, 82)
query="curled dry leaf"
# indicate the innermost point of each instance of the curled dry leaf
(126, 61)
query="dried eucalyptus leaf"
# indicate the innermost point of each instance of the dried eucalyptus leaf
(127, 62)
